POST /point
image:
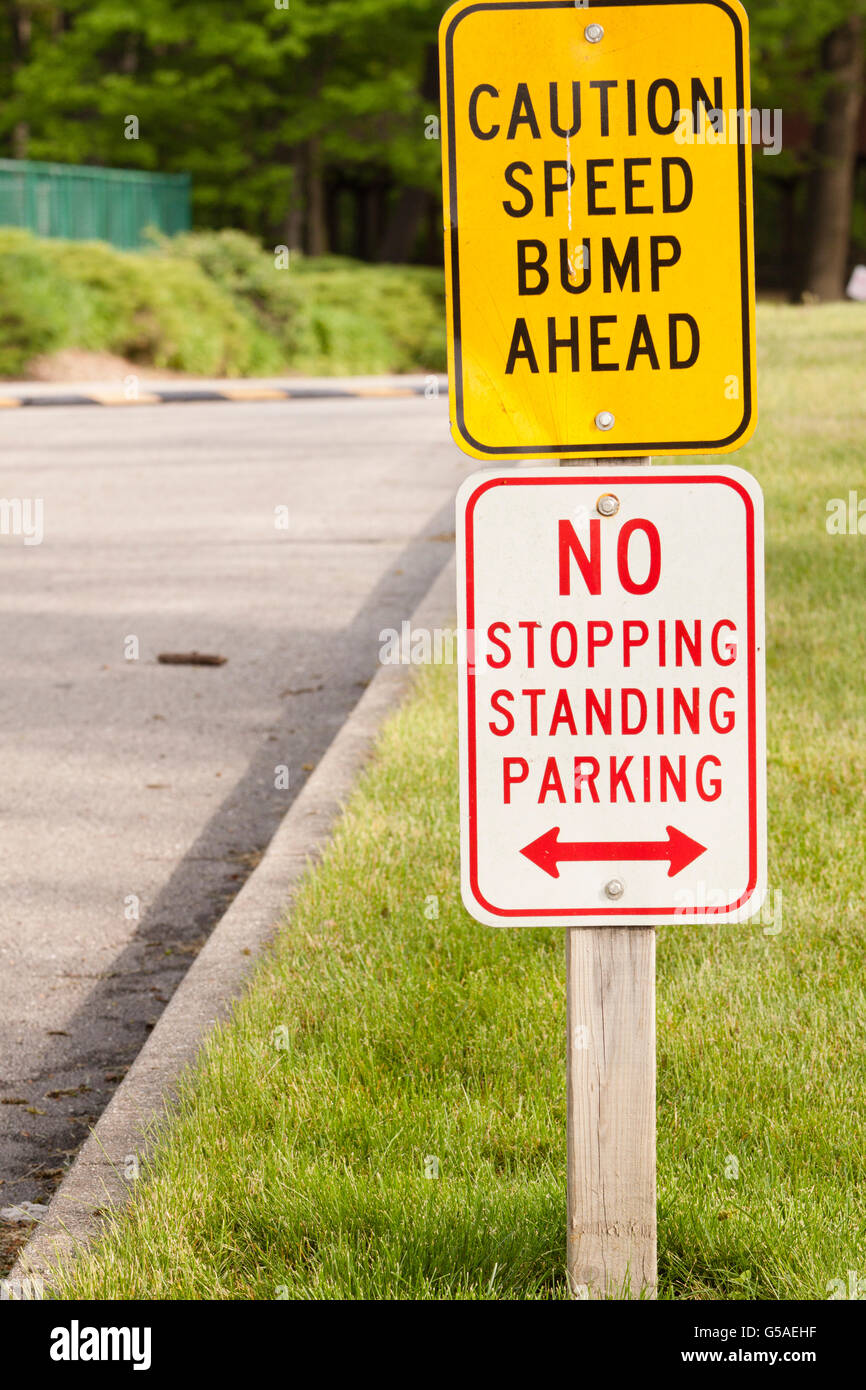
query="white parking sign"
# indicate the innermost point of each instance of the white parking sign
(612, 731)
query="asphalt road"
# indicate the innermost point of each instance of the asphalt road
(125, 779)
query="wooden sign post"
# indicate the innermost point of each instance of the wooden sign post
(600, 308)
(610, 1016)
(610, 1011)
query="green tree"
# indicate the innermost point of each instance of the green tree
(808, 60)
(304, 121)
(271, 109)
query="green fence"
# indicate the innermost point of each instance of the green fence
(87, 203)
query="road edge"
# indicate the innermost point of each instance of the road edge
(96, 1182)
(236, 391)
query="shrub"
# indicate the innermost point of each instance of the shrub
(38, 306)
(155, 309)
(214, 303)
(330, 314)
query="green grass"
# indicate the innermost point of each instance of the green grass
(216, 303)
(377, 1035)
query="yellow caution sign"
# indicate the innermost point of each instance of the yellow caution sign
(598, 227)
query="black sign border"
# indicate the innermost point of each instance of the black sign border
(590, 450)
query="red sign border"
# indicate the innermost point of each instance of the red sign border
(593, 478)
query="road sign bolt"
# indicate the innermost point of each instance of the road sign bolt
(615, 888)
(593, 33)
(607, 504)
(604, 420)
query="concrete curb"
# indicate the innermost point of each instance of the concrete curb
(216, 978)
(251, 391)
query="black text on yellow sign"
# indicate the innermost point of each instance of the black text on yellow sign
(598, 227)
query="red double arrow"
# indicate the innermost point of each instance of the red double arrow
(547, 852)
